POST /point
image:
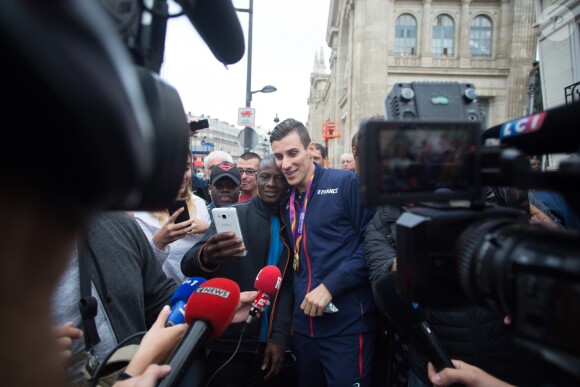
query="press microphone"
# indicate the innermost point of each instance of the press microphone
(208, 311)
(267, 284)
(549, 131)
(408, 317)
(179, 299)
(218, 25)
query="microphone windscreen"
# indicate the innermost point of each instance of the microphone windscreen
(398, 308)
(215, 302)
(186, 289)
(218, 24)
(268, 280)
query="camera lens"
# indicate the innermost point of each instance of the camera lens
(502, 262)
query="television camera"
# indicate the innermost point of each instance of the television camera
(95, 125)
(453, 247)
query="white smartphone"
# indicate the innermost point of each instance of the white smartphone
(226, 220)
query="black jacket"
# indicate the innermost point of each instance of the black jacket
(255, 222)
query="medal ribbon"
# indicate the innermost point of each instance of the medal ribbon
(297, 224)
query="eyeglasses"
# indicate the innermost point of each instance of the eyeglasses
(249, 172)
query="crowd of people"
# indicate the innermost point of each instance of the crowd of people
(321, 328)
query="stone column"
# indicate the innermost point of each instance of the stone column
(426, 31)
(463, 41)
(521, 56)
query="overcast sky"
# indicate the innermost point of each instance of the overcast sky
(286, 36)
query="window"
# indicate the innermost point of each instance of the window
(480, 36)
(406, 35)
(443, 36)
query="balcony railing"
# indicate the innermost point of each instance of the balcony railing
(572, 93)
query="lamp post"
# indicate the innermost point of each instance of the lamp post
(249, 92)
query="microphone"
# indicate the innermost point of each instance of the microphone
(208, 311)
(549, 131)
(408, 317)
(267, 284)
(218, 25)
(179, 300)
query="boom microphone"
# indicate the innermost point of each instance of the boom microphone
(406, 317)
(208, 311)
(267, 284)
(218, 25)
(179, 300)
(550, 131)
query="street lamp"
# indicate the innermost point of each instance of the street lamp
(249, 92)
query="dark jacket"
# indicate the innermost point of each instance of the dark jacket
(380, 238)
(472, 334)
(255, 222)
(332, 253)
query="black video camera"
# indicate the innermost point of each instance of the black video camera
(453, 247)
(113, 134)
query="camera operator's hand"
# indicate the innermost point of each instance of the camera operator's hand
(537, 216)
(150, 377)
(464, 374)
(220, 248)
(171, 231)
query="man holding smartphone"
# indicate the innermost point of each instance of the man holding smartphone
(262, 350)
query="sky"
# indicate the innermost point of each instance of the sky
(286, 37)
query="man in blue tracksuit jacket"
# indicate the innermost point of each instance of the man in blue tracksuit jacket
(334, 311)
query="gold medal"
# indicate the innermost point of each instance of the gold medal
(296, 262)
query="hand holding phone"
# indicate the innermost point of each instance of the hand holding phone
(226, 220)
(176, 205)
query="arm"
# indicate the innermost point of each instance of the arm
(379, 253)
(465, 375)
(206, 256)
(160, 254)
(352, 271)
(157, 344)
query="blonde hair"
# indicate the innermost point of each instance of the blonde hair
(187, 194)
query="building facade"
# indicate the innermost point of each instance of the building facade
(376, 44)
(220, 136)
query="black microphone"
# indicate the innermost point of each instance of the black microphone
(549, 131)
(218, 25)
(408, 317)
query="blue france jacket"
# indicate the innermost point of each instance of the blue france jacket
(332, 253)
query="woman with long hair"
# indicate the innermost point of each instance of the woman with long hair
(171, 240)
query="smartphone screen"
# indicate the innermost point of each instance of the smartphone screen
(177, 204)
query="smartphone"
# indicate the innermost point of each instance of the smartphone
(226, 220)
(176, 205)
(198, 125)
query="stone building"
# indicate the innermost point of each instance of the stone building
(375, 44)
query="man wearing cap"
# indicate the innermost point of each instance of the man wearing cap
(224, 186)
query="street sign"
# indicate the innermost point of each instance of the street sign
(246, 116)
(248, 138)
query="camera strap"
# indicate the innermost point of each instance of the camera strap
(88, 305)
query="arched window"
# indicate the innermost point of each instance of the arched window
(480, 36)
(443, 36)
(406, 35)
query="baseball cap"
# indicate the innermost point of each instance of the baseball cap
(225, 169)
